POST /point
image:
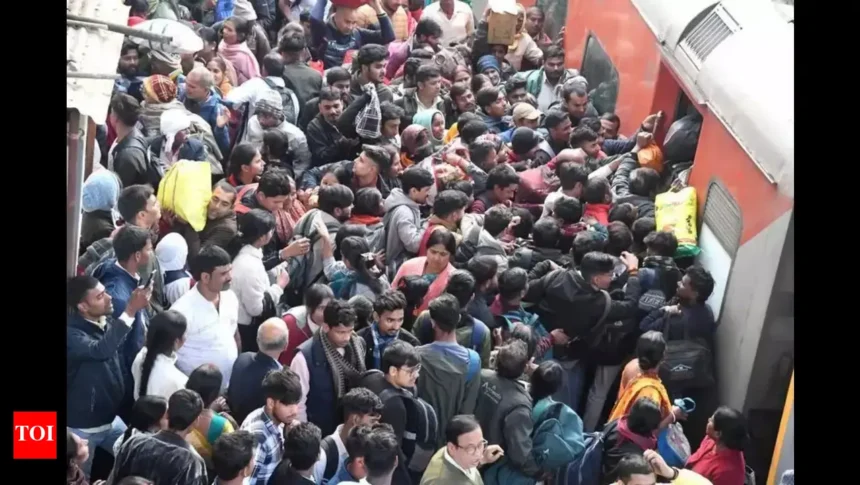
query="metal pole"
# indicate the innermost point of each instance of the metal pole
(74, 186)
(118, 28)
(91, 75)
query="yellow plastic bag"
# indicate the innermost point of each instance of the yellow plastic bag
(185, 190)
(676, 213)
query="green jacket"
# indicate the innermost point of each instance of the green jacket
(441, 472)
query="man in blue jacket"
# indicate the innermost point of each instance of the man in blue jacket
(94, 375)
(121, 276)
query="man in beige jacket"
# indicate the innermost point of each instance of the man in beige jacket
(466, 449)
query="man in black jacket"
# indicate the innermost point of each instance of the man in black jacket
(370, 65)
(127, 156)
(576, 301)
(326, 143)
(245, 393)
(372, 168)
(544, 246)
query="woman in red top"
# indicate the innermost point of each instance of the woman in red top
(720, 457)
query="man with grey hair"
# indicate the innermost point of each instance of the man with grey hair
(245, 393)
(199, 97)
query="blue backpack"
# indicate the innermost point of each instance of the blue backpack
(556, 441)
(532, 320)
(587, 468)
(479, 331)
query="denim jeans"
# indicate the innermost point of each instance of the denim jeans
(103, 439)
(570, 391)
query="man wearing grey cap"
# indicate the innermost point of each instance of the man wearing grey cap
(269, 114)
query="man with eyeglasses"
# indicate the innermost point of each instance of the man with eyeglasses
(360, 407)
(465, 450)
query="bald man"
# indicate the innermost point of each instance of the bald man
(245, 393)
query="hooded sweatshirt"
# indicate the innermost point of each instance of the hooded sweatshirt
(403, 228)
(98, 201)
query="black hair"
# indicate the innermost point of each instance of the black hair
(125, 108)
(590, 122)
(552, 51)
(496, 220)
(632, 464)
(523, 230)
(128, 45)
(595, 190)
(414, 288)
(352, 249)
(512, 282)
(164, 330)
(479, 150)
(445, 312)
(612, 118)
(356, 441)
(389, 301)
(478, 80)
(445, 238)
(460, 425)
(183, 408)
(329, 94)
(502, 176)
(209, 258)
(464, 186)
(360, 401)
(243, 27)
(277, 143)
(339, 313)
(381, 451)
(471, 130)
(586, 242)
(482, 268)
(206, 381)
(546, 233)
(206, 33)
(363, 311)
(133, 200)
(252, 226)
(415, 177)
(732, 426)
(77, 288)
(333, 197)
(514, 83)
(625, 213)
(568, 209)
(644, 417)
(282, 385)
(449, 201)
(336, 75)
(523, 141)
(580, 135)
(570, 174)
(428, 27)
(619, 238)
(129, 240)
(231, 453)
(275, 183)
(545, 380)
(273, 64)
(345, 231)
(390, 111)
(487, 96)
(380, 156)
(71, 448)
(701, 281)
(650, 350)
(661, 243)
(292, 44)
(243, 154)
(368, 201)
(368, 54)
(146, 413)
(512, 359)
(644, 182)
(399, 354)
(554, 118)
(596, 263)
(426, 73)
(461, 284)
(577, 88)
(466, 117)
(641, 228)
(315, 295)
(457, 90)
(302, 445)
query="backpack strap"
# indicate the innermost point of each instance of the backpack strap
(474, 365)
(216, 427)
(332, 457)
(479, 331)
(528, 255)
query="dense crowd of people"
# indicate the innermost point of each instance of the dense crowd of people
(425, 259)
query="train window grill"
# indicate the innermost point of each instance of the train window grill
(723, 216)
(710, 32)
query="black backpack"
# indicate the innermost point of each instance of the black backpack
(688, 363)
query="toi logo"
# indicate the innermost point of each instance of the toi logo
(34, 435)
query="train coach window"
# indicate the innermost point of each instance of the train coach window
(601, 74)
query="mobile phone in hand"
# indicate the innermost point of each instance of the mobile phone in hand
(147, 283)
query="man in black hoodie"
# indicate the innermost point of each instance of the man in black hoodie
(544, 246)
(127, 156)
(326, 143)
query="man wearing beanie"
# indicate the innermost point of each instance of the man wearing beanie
(524, 143)
(269, 114)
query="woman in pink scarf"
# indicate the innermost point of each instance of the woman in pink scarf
(436, 267)
(234, 48)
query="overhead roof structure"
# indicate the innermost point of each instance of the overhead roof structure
(93, 51)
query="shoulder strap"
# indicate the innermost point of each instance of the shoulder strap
(216, 427)
(528, 255)
(607, 305)
(479, 330)
(332, 457)
(270, 83)
(474, 365)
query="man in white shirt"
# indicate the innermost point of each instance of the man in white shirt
(455, 18)
(212, 311)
